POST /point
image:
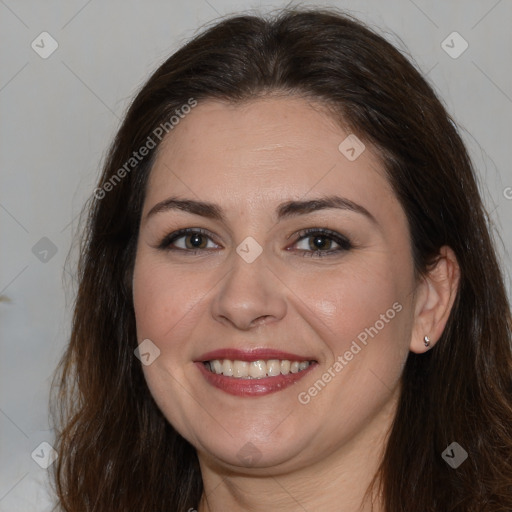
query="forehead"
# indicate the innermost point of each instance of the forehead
(261, 152)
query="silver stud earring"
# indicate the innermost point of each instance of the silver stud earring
(426, 340)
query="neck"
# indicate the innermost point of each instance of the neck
(337, 482)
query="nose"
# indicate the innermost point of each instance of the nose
(249, 295)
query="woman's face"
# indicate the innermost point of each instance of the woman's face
(248, 292)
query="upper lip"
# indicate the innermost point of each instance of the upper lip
(251, 355)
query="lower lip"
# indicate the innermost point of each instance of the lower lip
(252, 387)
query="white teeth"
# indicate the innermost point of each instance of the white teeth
(216, 366)
(273, 367)
(227, 368)
(255, 369)
(240, 369)
(258, 369)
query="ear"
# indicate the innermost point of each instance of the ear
(434, 298)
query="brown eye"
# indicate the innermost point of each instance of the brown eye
(194, 239)
(319, 242)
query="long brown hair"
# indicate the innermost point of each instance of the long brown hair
(117, 450)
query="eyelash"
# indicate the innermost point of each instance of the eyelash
(343, 242)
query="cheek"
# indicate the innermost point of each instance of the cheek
(164, 312)
(363, 319)
(161, 301)
(349, 302)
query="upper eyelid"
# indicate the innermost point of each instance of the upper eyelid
(180, 233)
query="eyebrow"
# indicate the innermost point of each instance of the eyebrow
(284, 210)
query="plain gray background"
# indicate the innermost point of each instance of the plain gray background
(59, 114)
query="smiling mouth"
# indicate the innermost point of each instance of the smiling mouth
(259, 369)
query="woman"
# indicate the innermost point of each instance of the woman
(288, 297)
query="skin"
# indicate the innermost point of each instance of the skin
(249, 158)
